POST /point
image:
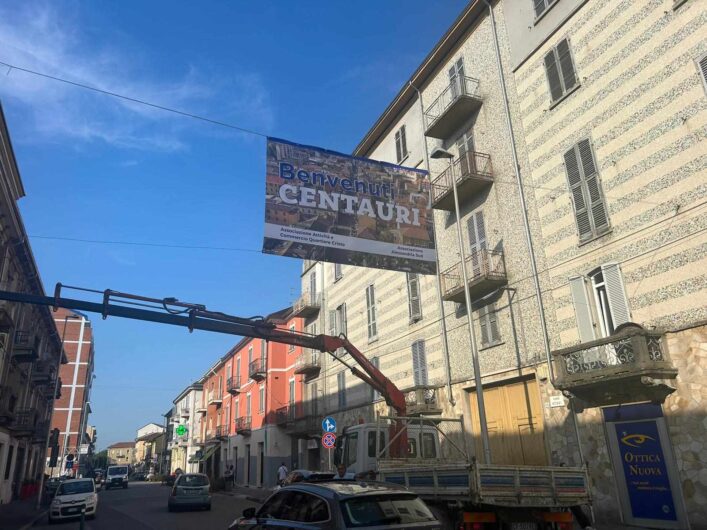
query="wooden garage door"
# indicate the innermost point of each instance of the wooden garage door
(515, 424)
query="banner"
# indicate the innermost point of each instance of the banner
(327, 206)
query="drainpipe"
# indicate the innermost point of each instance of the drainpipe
(443, 323)
(526, 226)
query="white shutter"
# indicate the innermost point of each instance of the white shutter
(332, 323)
(582, 310)
(419, 363)
(616, 292)
(414, 305)
(342, 315)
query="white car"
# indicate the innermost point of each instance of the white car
(71, 498)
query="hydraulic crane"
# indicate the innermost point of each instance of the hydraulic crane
(196, 316)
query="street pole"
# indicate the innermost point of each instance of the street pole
(51, 414)
(467, 299)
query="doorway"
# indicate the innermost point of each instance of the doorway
(247, 464)
(261, 463)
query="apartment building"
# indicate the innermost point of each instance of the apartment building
(72, 409)
(572, 130)
(30, 347)
(612, 100)
(253, 416)
(121, 453)
(186, 442)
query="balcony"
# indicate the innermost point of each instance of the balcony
(452, 107)
(309, 364)
(485, 272)
(43, 372)
(25, 347)
(201, 409)
(243, 425)
(49, 392)
(197, 439)
(216, 434)
(422, 401)
(472, 172)
(631, 365)
(214, 398)
(297, 421)
(23, 423)
(184, 412)
(233, 385)
(257, 370)
(307, 305)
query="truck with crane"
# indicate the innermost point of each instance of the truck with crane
(412, 451)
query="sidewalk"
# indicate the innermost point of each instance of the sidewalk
(253, 494)
(20, 515)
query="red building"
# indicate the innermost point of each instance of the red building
(71, 410)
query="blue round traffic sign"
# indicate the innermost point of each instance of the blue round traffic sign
(329, 440)
(329, 424)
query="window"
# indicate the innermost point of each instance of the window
(313, 285)
(295, 506)
(351, 449)
(457, 81)
(341, 389)
(291, 347)
(489, 325)
(419, 363)
(600, 302)
(263, 348)
(702, 67)
(560, 71)
(337, 323)
(377, 510)
(414, 302)
(401, 148)
(238, 371)
(371, 312)
(541, 6)
(476, 229)
(292, 391)
(247, 404)
(236, 410)
(372, 443)
(429, 448)
(465, 147)
(250, 356)
(261, 399)
(587, 197)
(337, 271)
(375, 361)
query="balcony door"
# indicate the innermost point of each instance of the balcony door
(456, 79)
(476, 228)
(465, 147)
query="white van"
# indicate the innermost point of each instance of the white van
(117, 476)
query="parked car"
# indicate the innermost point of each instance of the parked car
(71, 498)
(52, 485)
(190, 490)
(139, 476)
(117, 477)
(339, 504)
(305, 475)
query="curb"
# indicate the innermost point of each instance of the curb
(34, 521)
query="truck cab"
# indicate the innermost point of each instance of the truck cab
(356, 446)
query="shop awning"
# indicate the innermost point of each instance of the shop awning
(204, 456)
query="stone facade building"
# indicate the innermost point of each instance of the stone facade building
(121, 453)
(184, 447)
(30, 347)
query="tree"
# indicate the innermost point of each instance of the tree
(101, 459)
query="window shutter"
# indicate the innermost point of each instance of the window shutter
(342, 324)
(480, 230)
(375, 361)
(574, 179)
(419, 363)
(582, 311)
(471, 230)
(553, 75)
(703, 70)
(337, 271)
(483, 324)
(403, 142)
(398, 147)
(568, 76)
(591, 177)
(371, 310)
(332, 323)
(414, 305)
(313, 286)
(494, 334)
(616, 292)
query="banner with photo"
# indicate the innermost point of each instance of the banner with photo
(327, 206)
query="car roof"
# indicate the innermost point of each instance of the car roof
(343, 489)
(74, 481)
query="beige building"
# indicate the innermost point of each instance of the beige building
(590, 117)
(121, 453)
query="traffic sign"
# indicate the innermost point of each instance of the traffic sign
(329, 424)
(181, 430)
(329, 440)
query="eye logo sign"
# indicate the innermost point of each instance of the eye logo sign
(636, 440)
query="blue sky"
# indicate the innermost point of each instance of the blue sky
(97, 168)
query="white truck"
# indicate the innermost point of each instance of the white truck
(460, 490)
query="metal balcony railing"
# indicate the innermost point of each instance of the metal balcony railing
(308, 364)
(307, 305)
(257, 369)
(452, 107)
(43, 372)
(243, 425)
(24, 348)
(233, 385)
(285, 415)
(184, 411)
(214, 398)
(626, 366)
(485, 272)
(472, 172)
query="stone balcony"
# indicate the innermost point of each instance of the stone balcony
(257, 370)
(485, 272)
(243, 425)
(308, 364)
(24, 348)
(307, 305)
(233, 385)
(631, 365)
(472, 173)
(452, 107)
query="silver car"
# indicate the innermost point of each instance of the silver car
(339, 504)
(190, 490)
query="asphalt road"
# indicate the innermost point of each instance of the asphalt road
(143, 506)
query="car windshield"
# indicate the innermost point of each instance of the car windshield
(192, 480)
(118, 470)
(378, 510)
(78, 486)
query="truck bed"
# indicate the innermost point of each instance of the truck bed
(493, 485)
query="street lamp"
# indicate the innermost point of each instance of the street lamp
(439, 153)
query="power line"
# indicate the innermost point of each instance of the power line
(141, 244)
(134, 100)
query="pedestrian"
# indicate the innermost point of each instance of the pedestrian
(281, 474)
(228, 477)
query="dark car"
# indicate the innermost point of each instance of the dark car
(139, 476)
(339, 504)
(306, 475)
(52, 485)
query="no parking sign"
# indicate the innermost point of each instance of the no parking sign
(329, 440)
